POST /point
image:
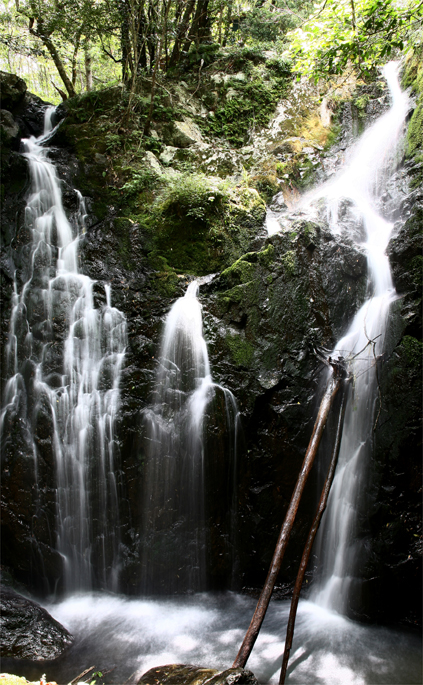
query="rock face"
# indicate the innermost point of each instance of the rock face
(28, 631)
(181, 674)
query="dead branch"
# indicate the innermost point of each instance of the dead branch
(310, 540)
(260, 612)
(81, 675)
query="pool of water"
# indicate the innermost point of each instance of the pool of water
(130, 636)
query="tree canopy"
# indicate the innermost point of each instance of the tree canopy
(69, 46)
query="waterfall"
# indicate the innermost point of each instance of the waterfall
(64, 355)
(362, 183)
(174, 534)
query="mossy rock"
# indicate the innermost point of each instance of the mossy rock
(9, 679)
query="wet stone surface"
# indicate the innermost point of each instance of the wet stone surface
(28, 631)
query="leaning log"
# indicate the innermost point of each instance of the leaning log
(264, 599)
(309, 544)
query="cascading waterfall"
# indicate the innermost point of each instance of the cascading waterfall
(362, 183)
(64, 357)
(174, 536)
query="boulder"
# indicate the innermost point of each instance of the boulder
(152, 163)
(186, 133)
(12, 90)
(28, 631)
(168, 154)
(182, 674)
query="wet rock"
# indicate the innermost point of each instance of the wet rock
(9, 127)
(12, 90)
(181, 674)
(232, 676)
(28, 630)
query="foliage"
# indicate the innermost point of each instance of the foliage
(365, 33)
(238, 117)
(143, 179)
(191, 195)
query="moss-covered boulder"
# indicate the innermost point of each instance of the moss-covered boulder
(181, 674)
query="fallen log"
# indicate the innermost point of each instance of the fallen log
(310, 540)
(251, 635)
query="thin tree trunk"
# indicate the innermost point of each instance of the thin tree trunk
(260, 612)
(154, 77)
(39, 33)
(125, 41)
(228, 22)
(310, 540)
(88, 67)
(75, 56)
(219, 30)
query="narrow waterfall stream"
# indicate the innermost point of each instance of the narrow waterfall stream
(174, 535)
(64, 356)
(362, 183)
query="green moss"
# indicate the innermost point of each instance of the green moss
(289, 262)
(412, 350)
(238, 293)
(413, 78)
(237, 117)
(333, 135)
(241, 350)
(309, 233)
(267, 255)
(167, 283)
(241, 271)
(8, 679)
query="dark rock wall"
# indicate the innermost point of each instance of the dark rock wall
(268, 320)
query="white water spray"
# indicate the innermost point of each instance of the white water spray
(174, 537)
(64, 358)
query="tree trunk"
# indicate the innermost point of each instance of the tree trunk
(228, 22)
(125, 42)
(198, 24)
(39, 33)
(260, 612)
(219, 29)
(156, 66)
(75, 55)
(310, 540)
(181, 33)
(88, 65)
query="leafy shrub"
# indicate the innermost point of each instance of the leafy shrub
(237, 117)
(142, 179)
(191, 195)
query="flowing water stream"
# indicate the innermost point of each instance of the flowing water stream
(174, 533)
(361, 184)
(64, 356)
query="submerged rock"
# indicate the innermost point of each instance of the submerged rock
(28, 630)
(182, 674)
